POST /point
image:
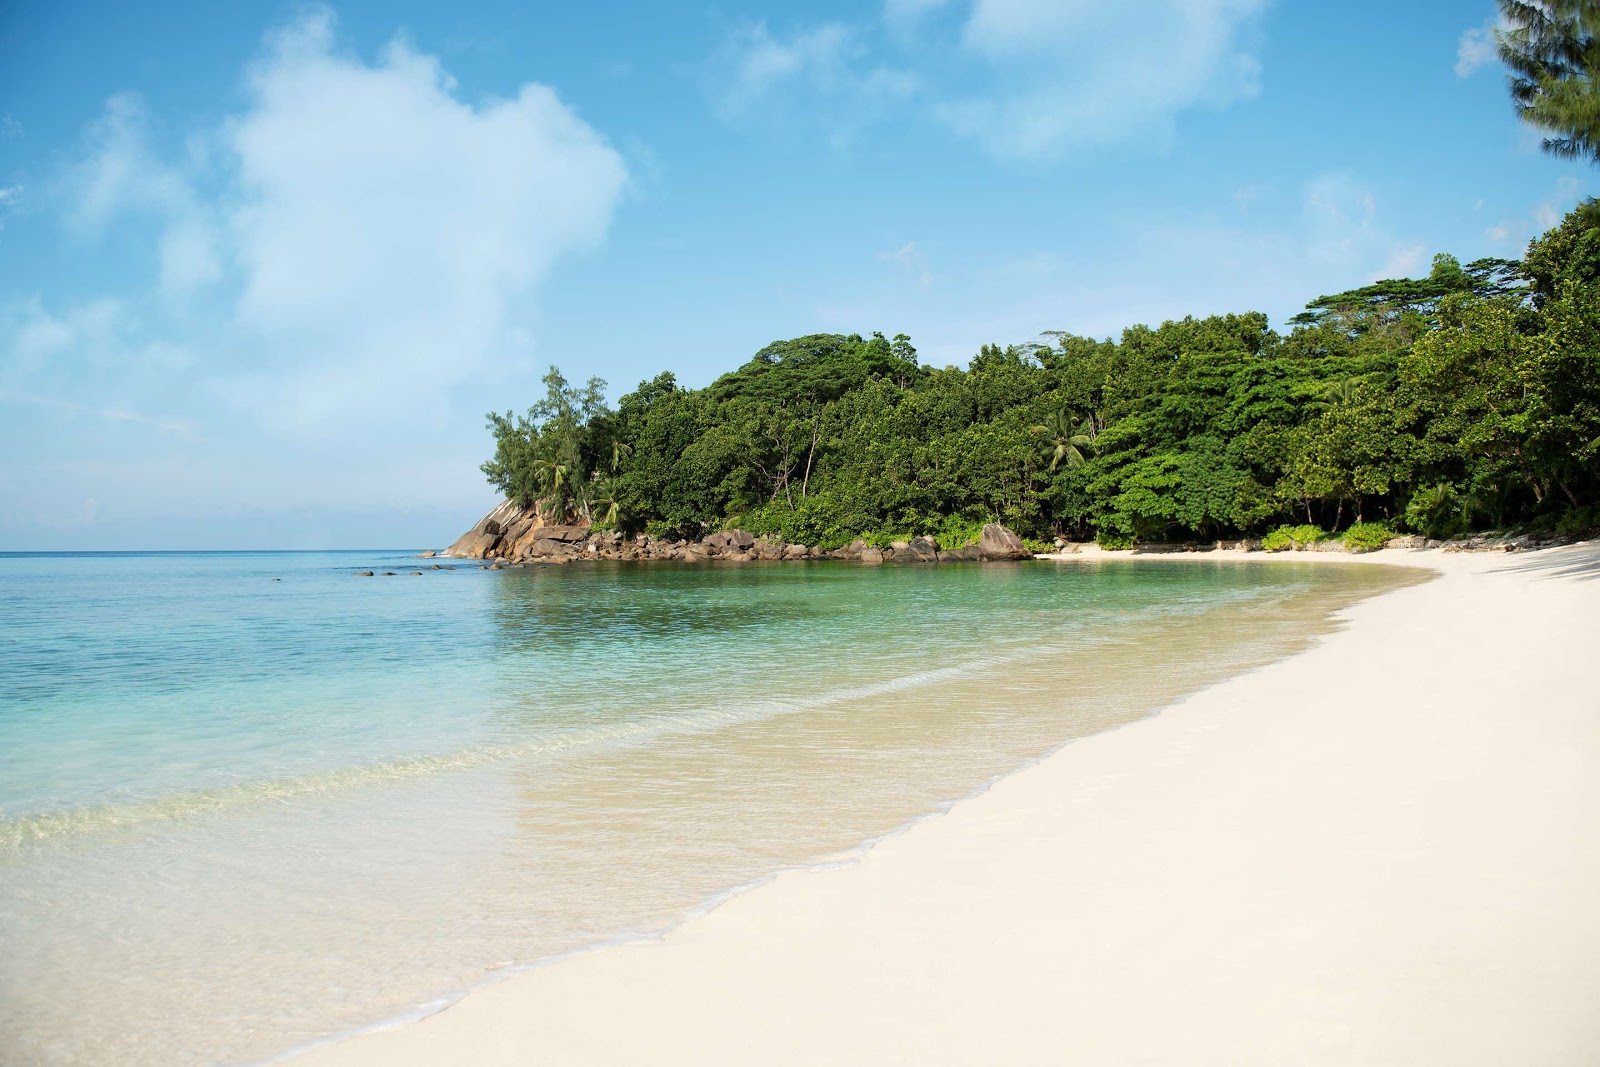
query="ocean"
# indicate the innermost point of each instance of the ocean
(250, 801)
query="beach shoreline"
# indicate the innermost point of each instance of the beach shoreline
(833, 963)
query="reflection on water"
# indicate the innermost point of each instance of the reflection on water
(645, 738)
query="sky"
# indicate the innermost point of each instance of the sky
(265, 266)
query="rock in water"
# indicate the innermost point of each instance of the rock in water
(363, 574)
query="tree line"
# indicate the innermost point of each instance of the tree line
(1464, 400)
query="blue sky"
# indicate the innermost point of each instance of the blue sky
(263, 267)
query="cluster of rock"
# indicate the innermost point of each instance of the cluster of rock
(1483, 542)
(1502, 542)
(512, 533)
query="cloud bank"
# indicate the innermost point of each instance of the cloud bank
(1023, 79)
(361, 236)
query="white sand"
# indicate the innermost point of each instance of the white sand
(1385, 850)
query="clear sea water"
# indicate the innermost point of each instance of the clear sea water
(249, 800)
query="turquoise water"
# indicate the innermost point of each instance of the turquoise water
(248, 800)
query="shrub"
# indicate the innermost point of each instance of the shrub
(957, 532)
(1435, 511)
(1577, 522)
(1367, 536)
(1286, 537)
(1113, 540)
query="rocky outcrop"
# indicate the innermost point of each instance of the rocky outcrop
(517, 533)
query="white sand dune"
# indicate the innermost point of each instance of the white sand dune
(1385, 850)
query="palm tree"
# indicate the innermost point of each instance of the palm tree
(607, 508)
(1341, 392)
(1431, 509)
(1552, 48)
(1063, 442)
(555, 479)
(618, 450)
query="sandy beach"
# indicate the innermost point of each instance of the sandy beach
(1384, 850)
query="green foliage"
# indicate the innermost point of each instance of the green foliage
(1368, 536)
(1435, 511)
(956, 532)
(1552, 48)
(1579, 522)
(1113, 541)
(1285, 538)
(1466, 399)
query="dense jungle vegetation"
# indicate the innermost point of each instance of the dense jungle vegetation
(1468, 399)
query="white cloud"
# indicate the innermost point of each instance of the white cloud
(10, 198)
(1025, 79)
(180, 427)
(388, 230)
(121, 175)
(1476, 48)
(1405, 261)
(1073, 73)
(1345, 237)
(903, 11)
(909, 258)
(1513, 234)
(98, 343)
(757, 69)
(378, 238)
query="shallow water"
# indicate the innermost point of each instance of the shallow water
(239, 814)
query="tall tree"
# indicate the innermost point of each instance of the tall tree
(1552, 48)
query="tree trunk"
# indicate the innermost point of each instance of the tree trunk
(816, 425)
